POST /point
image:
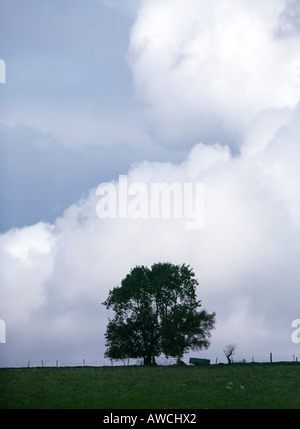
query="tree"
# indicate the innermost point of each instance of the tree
(156, 311)
(229, 351)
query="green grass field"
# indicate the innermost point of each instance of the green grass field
(254, 386)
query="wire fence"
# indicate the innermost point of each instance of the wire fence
(51, 363)
(267, 358)
(83, 362)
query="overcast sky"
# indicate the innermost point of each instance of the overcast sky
(193, 91)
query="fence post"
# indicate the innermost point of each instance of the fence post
(270, 357)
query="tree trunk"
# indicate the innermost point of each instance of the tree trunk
(229, 359)
(147, 360)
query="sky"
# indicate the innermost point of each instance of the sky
(157, 91)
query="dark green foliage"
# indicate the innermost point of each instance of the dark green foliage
(156, 311)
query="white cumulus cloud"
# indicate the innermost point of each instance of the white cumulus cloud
(205, 67)
(245, 256)
(208, 72)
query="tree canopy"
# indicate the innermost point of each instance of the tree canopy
(156, 312)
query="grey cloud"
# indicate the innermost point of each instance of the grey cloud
(289, 19)
(70, 121)
(40, 177)
(65, 60)
(245, 257)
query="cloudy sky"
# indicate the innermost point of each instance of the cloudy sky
(193, 91)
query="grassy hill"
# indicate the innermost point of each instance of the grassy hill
(243, 386)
